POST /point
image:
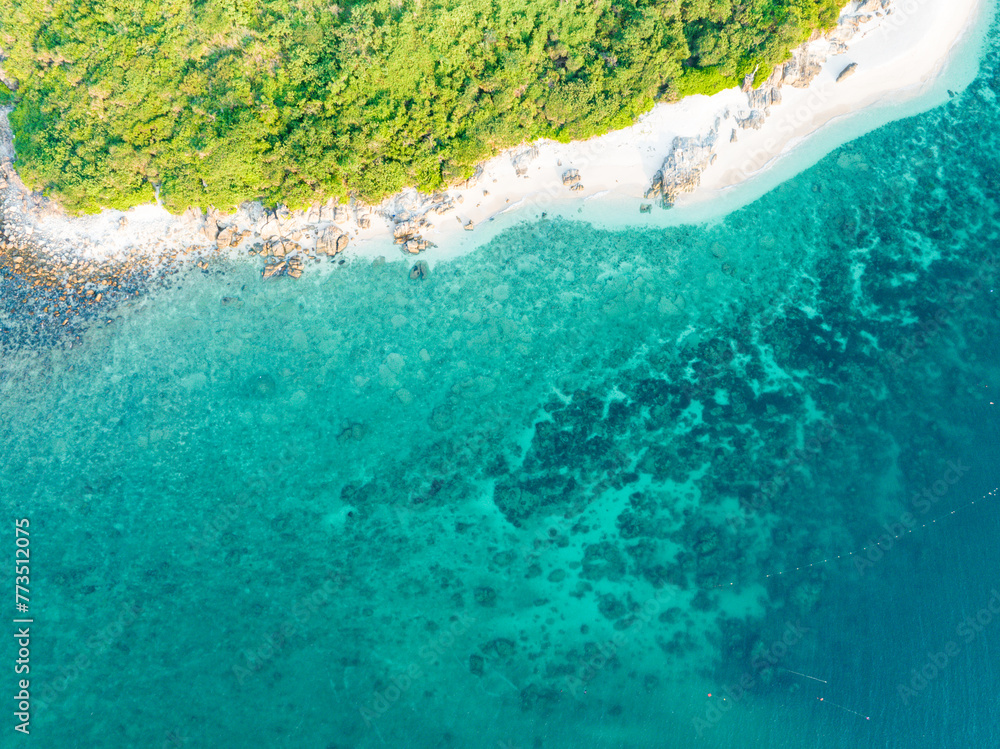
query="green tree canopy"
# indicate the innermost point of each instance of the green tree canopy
(220, 101)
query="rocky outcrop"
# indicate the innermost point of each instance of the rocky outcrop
(571, 179)
(681, 171)
(801, 69)
(231, 236)
(416, 245)
(689, 157)
(291, 267)
(522, 158)
(274, 269)
(331, 241)
(847, 72)
(407, 234)
(754, 119)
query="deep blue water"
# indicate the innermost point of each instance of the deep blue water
(543, 497)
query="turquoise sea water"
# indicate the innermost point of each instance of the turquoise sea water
(543, 497)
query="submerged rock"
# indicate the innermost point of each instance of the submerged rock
(420, 271)
(352, 431)
(486, 596)
(500, 647)
(442, 418)
(261, 386)
(611, 607)
(271, 270)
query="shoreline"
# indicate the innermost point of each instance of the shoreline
(911, 47)
(705, 147)
(900, 56)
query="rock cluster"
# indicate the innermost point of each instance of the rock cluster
(571, 179)
(55, 295)
(800, 71)
(689, 157)
(407, 234)
(291, 267)
(681, 171)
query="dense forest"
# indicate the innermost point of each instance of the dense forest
(219, 101)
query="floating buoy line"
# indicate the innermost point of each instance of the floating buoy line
(861, 552)
(867, 561)
(845, 709)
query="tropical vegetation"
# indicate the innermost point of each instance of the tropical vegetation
(213, 102)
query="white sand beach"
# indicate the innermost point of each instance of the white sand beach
(897, 56)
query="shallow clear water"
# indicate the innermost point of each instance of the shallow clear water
(543, 498)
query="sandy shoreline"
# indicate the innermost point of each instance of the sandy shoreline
(897, 56)
(899, 52)
(704, 146)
